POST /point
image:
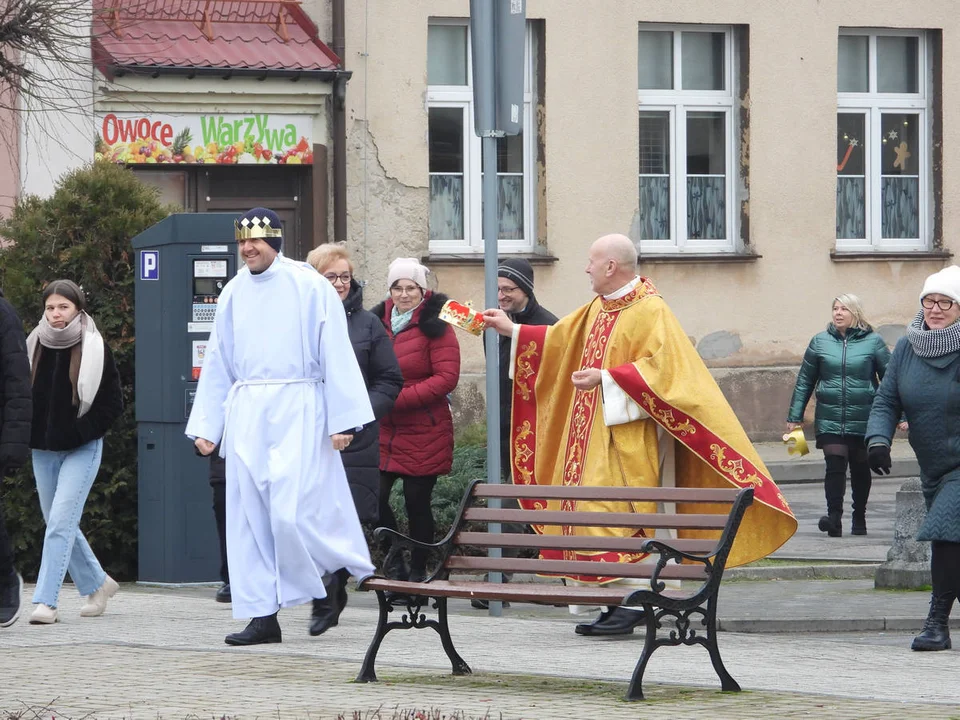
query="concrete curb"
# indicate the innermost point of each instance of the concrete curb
(825, 625)
(858, 571)
(789, 472)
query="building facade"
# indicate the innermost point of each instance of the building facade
(765, 157)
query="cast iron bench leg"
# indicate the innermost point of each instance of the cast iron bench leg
(460, 666)
(635, 689)
(367, 671)
(726, 680)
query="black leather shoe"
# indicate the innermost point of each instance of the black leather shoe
(618, 621)
(326, 611)
(223, 594)
(481, 604)
(587, 628)
(259, 631)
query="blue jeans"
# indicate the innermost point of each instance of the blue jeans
(64, 479)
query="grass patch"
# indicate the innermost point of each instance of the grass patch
(776, 562)
(600, 690)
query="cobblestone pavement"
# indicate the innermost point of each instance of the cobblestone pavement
(160, 653)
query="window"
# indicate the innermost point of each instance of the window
(456, 162)
(687, 128)
(883, 141)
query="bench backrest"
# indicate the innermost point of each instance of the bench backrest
(558, 548)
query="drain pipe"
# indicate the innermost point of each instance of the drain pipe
(339, 127)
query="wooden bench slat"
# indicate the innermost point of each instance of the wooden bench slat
(598, 519)
(572, 542)
(550, 593)
(634, 494)
(575, 567)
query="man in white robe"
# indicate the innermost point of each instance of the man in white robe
(281, 392)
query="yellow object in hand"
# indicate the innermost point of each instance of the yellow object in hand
(796, 443)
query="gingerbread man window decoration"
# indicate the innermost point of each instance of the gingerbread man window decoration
(902, 154)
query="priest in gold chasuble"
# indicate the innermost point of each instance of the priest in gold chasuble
(616, 394)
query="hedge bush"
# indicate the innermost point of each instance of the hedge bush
(83, 232)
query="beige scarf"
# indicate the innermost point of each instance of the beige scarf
(86, 355)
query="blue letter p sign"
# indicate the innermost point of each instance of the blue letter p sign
(149, 264)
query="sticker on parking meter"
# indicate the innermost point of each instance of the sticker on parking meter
(209, 268)
(149, 264)
(199, 353)
(214, 248)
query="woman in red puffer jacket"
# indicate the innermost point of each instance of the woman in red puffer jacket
(416, 438)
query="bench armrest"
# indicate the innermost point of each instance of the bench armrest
(668, 553)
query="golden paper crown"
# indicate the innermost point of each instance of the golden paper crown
(254, 228)
(796, 443)
(463, 317)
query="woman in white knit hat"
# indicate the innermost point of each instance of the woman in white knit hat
(923, 382)
(416, 437)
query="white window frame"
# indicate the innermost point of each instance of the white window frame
(462, 96)
(873, 104)
(678, 104)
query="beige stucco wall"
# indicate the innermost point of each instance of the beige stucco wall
(590, 144)
(9, 153)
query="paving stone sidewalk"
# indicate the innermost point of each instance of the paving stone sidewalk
(160, 653)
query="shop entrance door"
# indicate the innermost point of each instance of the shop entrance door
(237, 188)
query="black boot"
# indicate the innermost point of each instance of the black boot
(395, 566)
(260, 630)
(613, 621)
(860, 483)
(326, 611)
(834, 488)
(936, 630)
(223, 594)
(859, 526)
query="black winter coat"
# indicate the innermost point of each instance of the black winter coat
(381, 373)
(533, 314)
(15, 398)
(55, 422)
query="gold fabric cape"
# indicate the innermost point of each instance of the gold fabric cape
(558, 434)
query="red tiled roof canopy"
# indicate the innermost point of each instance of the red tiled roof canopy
(187, 35)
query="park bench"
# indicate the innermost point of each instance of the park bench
(699, 562)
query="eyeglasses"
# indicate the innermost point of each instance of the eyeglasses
(929, 302)
(344, 278)
(507, 290)
(405, 290)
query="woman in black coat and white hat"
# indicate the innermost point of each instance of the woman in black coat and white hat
(381, 373)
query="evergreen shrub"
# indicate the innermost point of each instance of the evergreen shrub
(83, 232)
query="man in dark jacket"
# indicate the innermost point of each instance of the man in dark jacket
(16, 412)
(516, 298)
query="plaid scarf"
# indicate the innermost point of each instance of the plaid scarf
(933, 343)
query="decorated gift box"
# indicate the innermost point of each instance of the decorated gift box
(463, 317)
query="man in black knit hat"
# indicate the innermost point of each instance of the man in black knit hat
(515, 297)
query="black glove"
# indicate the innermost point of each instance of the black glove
(878, 457)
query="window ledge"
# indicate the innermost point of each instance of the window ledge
(452, 259)
(881, 256)
(652, 258)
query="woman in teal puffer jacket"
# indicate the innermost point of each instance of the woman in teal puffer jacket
(844, 365)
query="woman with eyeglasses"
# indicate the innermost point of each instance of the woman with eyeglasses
(923, 383)
(416, 438)
(844, 366)
(361, 451)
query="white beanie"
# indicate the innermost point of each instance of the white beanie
(946, 282)
(408, 269)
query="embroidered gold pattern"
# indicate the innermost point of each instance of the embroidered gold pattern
(733, 468)
(666, 417)
(643, 289)
(522, 452)
(524, 370)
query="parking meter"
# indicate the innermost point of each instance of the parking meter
(183, 264)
